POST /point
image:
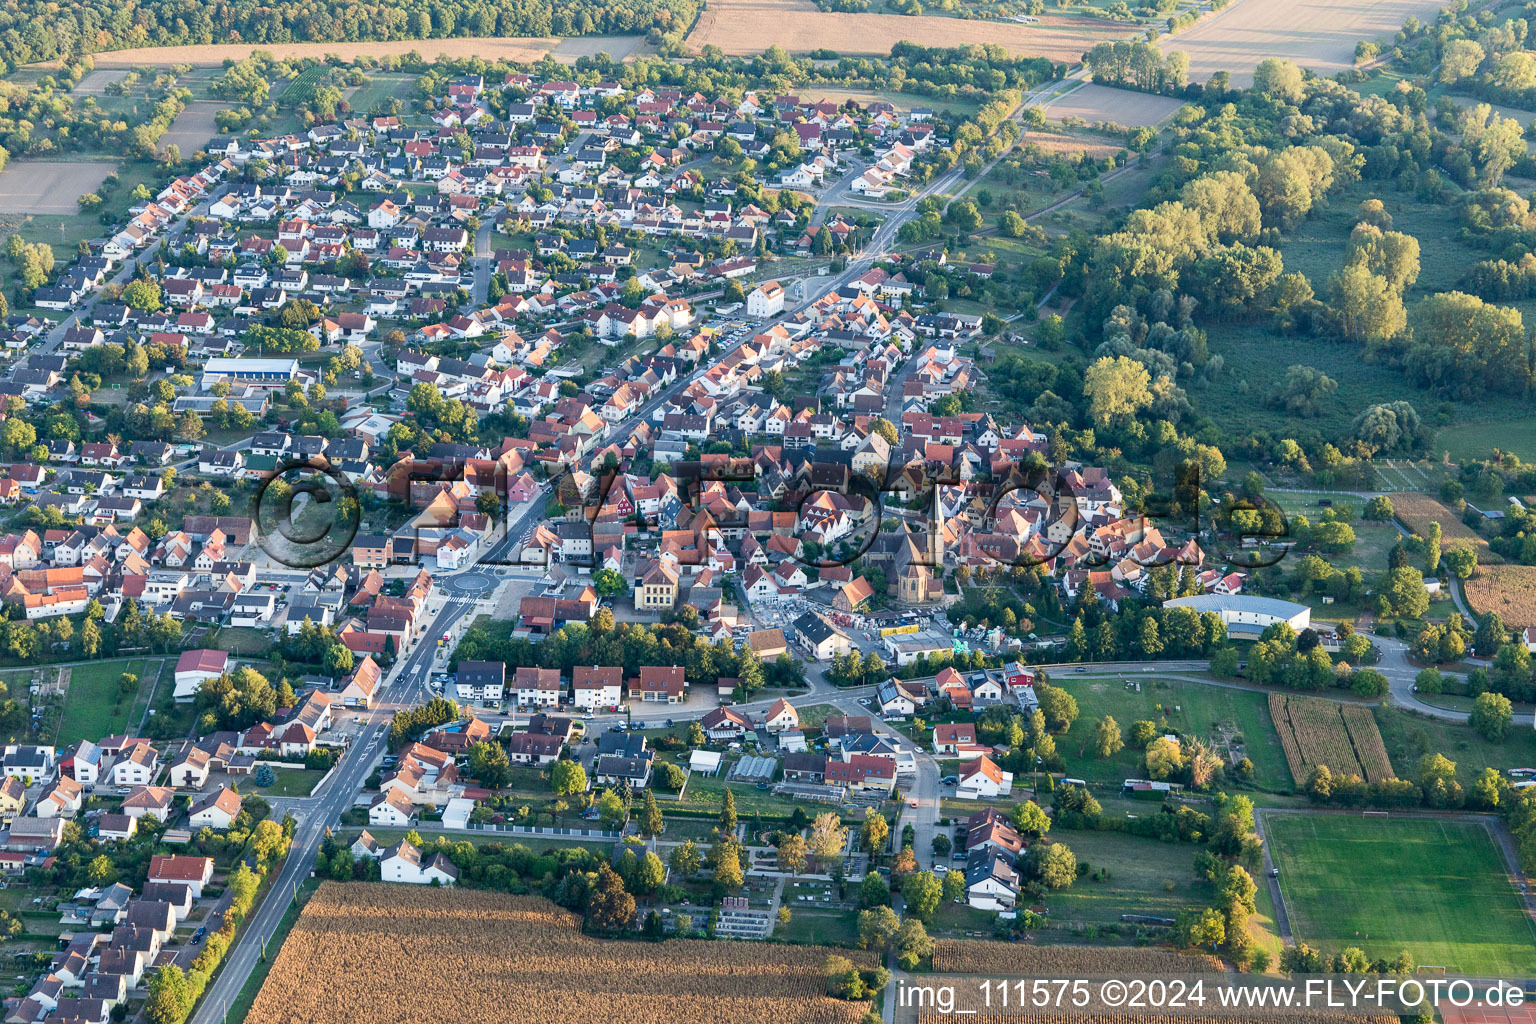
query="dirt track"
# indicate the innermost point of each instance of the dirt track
(1317, 34)
(511, 48)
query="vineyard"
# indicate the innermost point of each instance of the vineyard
(302, 89)
(385, 954)
(1342, 736)
(958, 956)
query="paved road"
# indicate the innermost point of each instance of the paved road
(335, 797)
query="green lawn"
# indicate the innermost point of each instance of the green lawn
(1438, 889)
(819, 928)
(93, 707)
(290, 782)
(1188, 708)
(1409, 736)
(1146, 877)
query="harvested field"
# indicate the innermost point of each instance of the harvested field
(751, 26)
(510, 48)
(1417, 511)
(1509, 590)
(1317, 34)
(962, 956)
(502, 952)
(95, 83)
(1102, 103)
(1070, 142)
(1114, 1017)
(193, 127)
(49, 186)
(1343, 737)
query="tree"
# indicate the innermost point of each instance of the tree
(650, 816)
(791, 852)
(1202, 928)
(1106, 740)
(1369, 310)
(101, 872)
(685, 859)
(1053, 865)
(728, 814)
(142, 294)
(609, 583)
(725, 858)
(567, 778)
(612, 908)
(1117, 389)
(1460, 561)
(1303, 390)
(874, 832)
(878, 927)
(873, 892)
(170, 996)
(1491, 715)
(1404, 594)
(828, 838)
(954, 886)
(922, 892)
(1058, 706)
(1030, 819)
(651, 874)
(912, 944)
(1278, 78)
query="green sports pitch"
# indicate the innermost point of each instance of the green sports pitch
(1439, 889)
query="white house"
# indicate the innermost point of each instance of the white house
(194, 668)
(403, 863)
(782, 716)
(597, 689)
(983, 779)
(217, 811)
(766, 300)
(137, 767)
(991, 882)
(393, 808)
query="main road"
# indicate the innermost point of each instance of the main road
(336, 796)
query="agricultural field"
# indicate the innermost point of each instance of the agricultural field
(744, 27)
(379, 90)
(1417, 511)
(1438, 889)
(952, 956)
(1101, 103)
(1509, 590)
(1190, 708)
(1238, 38)
(506, 954)
(49, 186)
(1119, 1017)
(193, 127)
(1344, 737)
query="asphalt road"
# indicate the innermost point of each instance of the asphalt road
(335, 797)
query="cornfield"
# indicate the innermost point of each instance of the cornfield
(959, 956)
(1114, 1017)
(1366, 739)
(1342, 736)
(1417, 511)
(366, 953)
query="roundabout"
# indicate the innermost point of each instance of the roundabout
(470, 584)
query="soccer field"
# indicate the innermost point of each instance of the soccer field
(1438, 889)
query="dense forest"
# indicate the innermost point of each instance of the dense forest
(34, 30)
